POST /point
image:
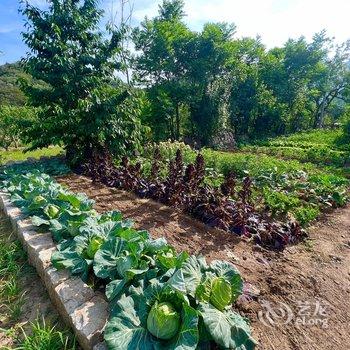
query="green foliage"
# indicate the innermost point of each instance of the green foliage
(152, 289)
(84, 107)
(184, 73)
(199, 83)
(12, 259)
(306, 214)
(10, 93)
(346, 130)
(46, 337)
(13, 268)
(279, 202)
(320, 147)
(13, 121)
(281, 187)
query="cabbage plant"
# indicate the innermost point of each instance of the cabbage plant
(154, 318)
(212, 290)
(163, 321)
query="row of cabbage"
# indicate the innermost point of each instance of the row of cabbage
(159, 299)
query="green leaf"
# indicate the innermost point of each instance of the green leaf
(71, 260)
(227, 271)
(38, 221)
(124, 330)
(203, 291)
(188, 277)
(105, 261)
(115, 216)
(115, 288)
(188, 335)
(227, 328)
(155, 245)
(168, 259)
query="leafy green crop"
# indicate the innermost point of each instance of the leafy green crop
(158, 298)
(163, 321)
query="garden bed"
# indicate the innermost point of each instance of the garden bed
(314, 272)
(79, 306)
(317, 270)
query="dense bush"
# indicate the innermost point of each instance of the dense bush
(13, 121)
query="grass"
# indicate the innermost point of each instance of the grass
(46, 337)
(324, 148)
(20, 155)
(13, 270)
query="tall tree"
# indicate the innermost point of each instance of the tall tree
(83, 106)
(160, 65)
(208, 76)
(332, 80)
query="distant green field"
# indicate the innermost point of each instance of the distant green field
(19, 154)
(324, 148)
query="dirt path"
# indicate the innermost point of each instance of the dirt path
(307, 286)
(33, 302)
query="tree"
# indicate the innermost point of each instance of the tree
(13, 120)
(84, 106)
(208, 76)
(160, 66)
(332, 82)
(288, 88)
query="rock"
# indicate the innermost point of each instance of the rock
(336, 258)
(71, 294)
(262, 261)
(89, 321)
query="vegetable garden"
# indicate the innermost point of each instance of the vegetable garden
(240, 143)
(157, 296)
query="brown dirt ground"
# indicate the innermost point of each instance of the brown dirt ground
(36, 302)
(317, 271)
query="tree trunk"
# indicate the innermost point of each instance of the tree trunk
(177, 121)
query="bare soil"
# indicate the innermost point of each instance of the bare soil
(307, 286)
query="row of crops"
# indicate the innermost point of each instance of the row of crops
(259, 197)
(159, 298)
(321, 147)
(281, 188)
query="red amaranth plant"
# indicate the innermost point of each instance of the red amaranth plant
(228, 207)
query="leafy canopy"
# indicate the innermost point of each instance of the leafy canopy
(83, 105)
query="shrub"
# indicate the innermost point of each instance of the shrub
(13, 121)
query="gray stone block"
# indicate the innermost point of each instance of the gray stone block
(89, 321)
(37, 243)
(71, 294)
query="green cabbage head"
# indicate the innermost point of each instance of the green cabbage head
(94, 246)
(221, 293)
(163, 321)
(52, 211)
(39, 200)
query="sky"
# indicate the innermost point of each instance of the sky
(275, 21)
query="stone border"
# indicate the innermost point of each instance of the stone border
(84, 310)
